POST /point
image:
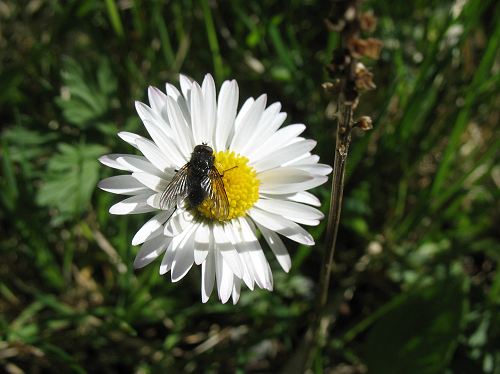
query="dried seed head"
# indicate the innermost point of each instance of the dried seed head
(350, 13)
(327, 86)
(331, 110)
(335, 25)
(370, 47)
(365, 123)
(367, 21)
(341, 13)
(363, 78)
(332, 87)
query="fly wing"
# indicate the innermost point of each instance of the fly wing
(176, 190)
(214, 186)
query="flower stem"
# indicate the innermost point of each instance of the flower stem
(316, 335)
(341, 149)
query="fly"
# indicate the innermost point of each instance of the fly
(196, 181)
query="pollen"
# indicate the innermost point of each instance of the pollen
(240, 183)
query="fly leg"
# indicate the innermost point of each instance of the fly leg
(234, 167)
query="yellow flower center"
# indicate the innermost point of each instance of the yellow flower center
(241, 185)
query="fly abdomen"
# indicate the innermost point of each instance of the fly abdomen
(196, 196)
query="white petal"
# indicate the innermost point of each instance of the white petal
(267, 132)
(224, 277)
(245, 124)
(315, 169)
(298, 159)
(160, 135)
(302, 197)
(151, 226)
(184, 256)
(315, 182)
(227, 250)
(154, 200)
(122, 184)
(168, 257)
(309, 159)
(138, 163)
(150, 251)
(179, 222)
(310, 163)
(151, 181)
(278, 140)
(282, 175)
(207, 277)
(303, 221)
(112, 162)
(244, 110)
(132, 205)
(226, 113)
(254, 256)
(154, 234)
(276, 121)
(249, 277)
(289, 209)
(268, 117)
(174, 93)
(247, 105)
(277, 246)
(186, 86)
(299, 197)
(158, 102)
(210, 106)
(181, 128)
(130, 137)
(230, 254)
(198, 114)
(236, 290)
(266, 120)
(202, 244)
(235, 236)
(154, 123)
(155, 156)
(281, 225)
(284, 154)
(287, 181)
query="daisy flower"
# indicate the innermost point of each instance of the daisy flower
(265, 169)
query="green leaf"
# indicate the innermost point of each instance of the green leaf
(105, 79)
(86, 100)
(212, 41)
(27, 147)
(8, 184)
(114, 17)
(70, 180)
(63, 356)
(494, 293)
(420, 333)
(11, 80)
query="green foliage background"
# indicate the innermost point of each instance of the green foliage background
(415, 287)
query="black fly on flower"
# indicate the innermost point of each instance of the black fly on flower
(197, 181)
